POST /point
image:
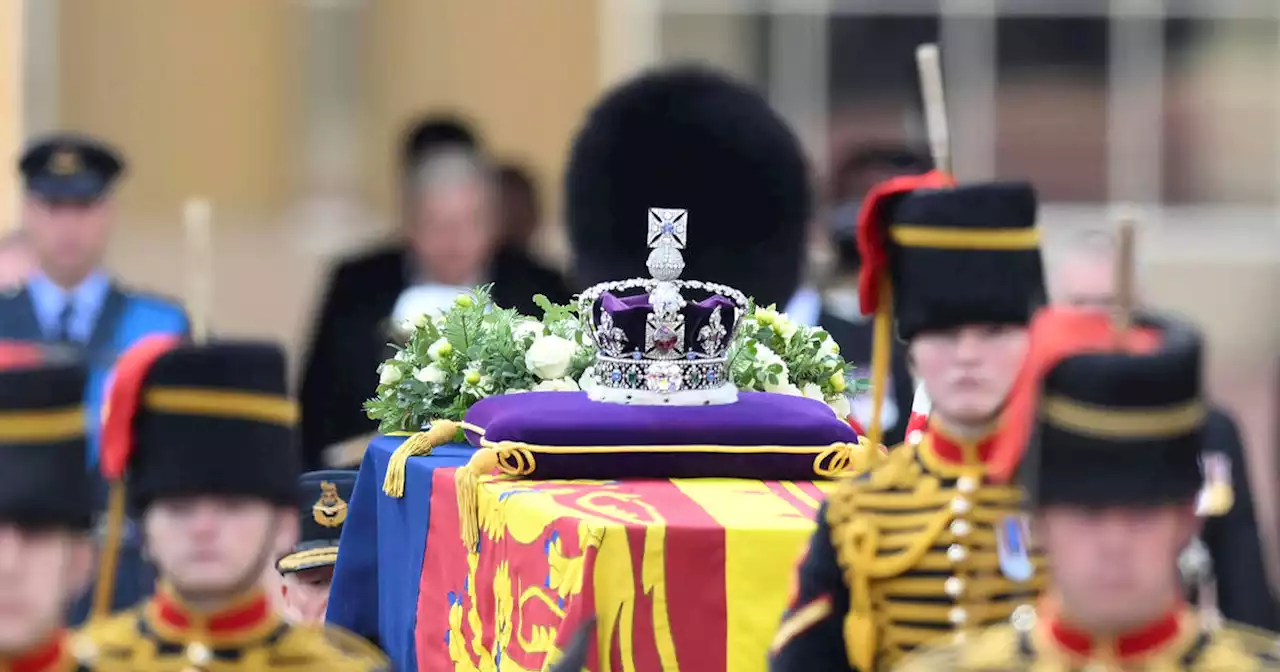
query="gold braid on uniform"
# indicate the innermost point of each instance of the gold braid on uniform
(916, 541)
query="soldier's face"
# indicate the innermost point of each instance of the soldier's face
(41, 571)
(1115, 569)
(969, 370)
(214, 545)
(306, 594)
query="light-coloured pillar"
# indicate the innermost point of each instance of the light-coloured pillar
(11, 112)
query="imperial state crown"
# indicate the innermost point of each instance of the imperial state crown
(658, 347)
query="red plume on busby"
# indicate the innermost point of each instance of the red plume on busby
(874, 290)
(1056, 334)
(124, 396)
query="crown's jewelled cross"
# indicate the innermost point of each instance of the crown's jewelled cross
(668, 227)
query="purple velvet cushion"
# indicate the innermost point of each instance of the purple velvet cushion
(747, 439)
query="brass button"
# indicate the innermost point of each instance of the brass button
(960, 527)
(960, 506)
(954, 586)
(957, 553)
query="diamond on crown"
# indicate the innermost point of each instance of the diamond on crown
(658, 347)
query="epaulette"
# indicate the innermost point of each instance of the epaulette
(330, 648)
(108, 639)
(1240, 647)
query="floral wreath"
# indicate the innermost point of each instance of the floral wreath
(474, 350)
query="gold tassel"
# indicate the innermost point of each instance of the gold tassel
(467, 480)
(422, 443)
(104, 591)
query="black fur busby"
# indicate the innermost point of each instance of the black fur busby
(44, 480)
(186, 420)
(1121, 427)
(694, 139)
(963, 255)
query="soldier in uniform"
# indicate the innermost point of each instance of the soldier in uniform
(45, 509)
(308, 570)
(206, 436)
(1113, 422)
(922, 545)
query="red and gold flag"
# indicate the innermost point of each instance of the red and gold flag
(681, 574)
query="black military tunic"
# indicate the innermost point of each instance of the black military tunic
(904, 556)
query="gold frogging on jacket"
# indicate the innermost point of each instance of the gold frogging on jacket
(330, 510)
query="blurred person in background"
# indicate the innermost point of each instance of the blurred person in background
(451, 232)
(17, 260)
(841, 314)
(349, 338)
(307, 569)
(521, 208)
(71, 300)
(1228, 551)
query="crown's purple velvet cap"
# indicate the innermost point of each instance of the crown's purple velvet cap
(756, 424)
(630, 312)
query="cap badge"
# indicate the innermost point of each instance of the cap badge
(330, 510)
(65, 162)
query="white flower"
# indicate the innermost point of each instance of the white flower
(588, 379)
(423, 320)
(557, 385)
(549, 356)
(829, 347)
(515, 390)
(766, 316)
(402, 356)
(766, 357)
(528, 328)
(432, 374)
(440, 349)
(475, 383)
(840, 404)
(813, 391)
(389, 374)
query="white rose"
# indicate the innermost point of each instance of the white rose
(515, 390)
(557, 385)
(813, 391)
(389, 375)
(783, 387)
(840, 404)
(765, 356)
(829, 347)
(525, 328)
(402, 356)
(441, 348)
(431, 373)
(549, 356)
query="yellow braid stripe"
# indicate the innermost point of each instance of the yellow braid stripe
(912, 235)
(800, 621)
(42, 426)
(230, 404)
(1158, 422)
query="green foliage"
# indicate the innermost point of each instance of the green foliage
(475, 349)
